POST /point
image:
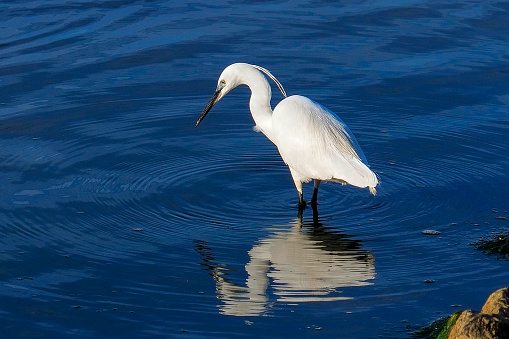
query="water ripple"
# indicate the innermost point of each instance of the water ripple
(115, 211)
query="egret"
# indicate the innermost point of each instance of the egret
(313, 141)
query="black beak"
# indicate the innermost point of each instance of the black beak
(209, 106)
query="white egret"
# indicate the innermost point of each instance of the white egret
(313, 141)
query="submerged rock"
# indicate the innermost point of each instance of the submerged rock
(497, 244)
(439, 329)
(491, 323)
(430, 232)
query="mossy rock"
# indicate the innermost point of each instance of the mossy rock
(491, 323)
(499, 244)
(439, 329)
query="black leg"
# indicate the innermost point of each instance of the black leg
(302, 203)
(302, 206)
(315, 215)
(314, 199)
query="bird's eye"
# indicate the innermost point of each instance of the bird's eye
(223, 82)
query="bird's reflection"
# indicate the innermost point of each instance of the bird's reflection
(306, 262)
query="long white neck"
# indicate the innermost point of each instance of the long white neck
(259, 104)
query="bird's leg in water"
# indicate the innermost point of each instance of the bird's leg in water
(315, 216)
(302, 203)
(302, 206)
(314, 199)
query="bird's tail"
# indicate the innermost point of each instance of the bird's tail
(372, 190)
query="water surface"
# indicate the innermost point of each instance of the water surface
(120, 219)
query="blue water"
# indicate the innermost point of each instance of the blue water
(119, 219)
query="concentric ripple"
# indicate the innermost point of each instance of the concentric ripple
(120, 219)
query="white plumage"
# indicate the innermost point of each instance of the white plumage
(313, 141)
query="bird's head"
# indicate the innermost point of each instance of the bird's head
(239, 74)
(228, 80)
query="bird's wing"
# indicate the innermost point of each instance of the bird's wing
(315, 142)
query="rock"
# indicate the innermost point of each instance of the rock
(491, 323)
(430, 232)
(476, 325)
(498, 303)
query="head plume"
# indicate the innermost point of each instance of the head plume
(266, 71)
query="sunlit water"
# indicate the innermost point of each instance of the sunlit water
(119, 219)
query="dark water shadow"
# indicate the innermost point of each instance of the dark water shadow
(303, 261)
